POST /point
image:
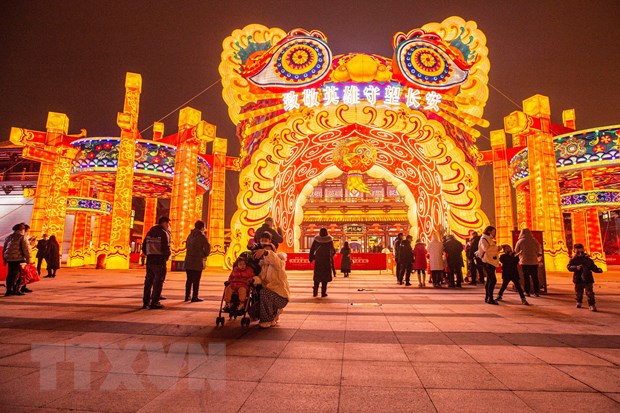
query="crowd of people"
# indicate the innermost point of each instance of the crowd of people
(17, 253)
(262, 268)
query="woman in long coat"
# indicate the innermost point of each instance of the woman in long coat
(322, 252)
(435, 252)
(419, 261)
(198, 248)
(345, 262)
(53, 257)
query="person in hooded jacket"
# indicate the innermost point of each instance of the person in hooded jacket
(16, 251)
(488, 252)
(528, 250)
(582, 267)
(198, 249)
(435, 252)
(156, 247)
(322, 253)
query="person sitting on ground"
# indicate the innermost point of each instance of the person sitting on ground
(239, 282)
(274, 292)
(582, 267)
(510, 273)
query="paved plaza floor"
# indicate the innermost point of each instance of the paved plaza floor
(81, 342)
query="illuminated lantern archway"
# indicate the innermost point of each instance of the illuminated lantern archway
(301, 113)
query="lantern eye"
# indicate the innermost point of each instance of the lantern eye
(296, 63)
(425, 64)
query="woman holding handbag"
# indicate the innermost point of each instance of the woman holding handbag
(322, 252)
(16, 251)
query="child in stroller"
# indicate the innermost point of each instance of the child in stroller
(238, 290)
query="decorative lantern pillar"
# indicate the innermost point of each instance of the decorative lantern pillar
(79, 253)
(192, 131)
(504, 218)
(544, 187)
(119, 249)
(215, 219)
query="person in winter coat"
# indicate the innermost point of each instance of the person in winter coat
(156, 247)
(528, 250)
(435, 252)
(488, 252)
(419, 262)
(406, 260)
(239, 282)
(53, 258)
(454, 253)
(322, 253)
(276, 236)
(41, 252)
(274, 292)
(198, 249)
(476, 269)
(510, 273)
(399, 238)
(582, 267)
(345, 262)
(16, 251)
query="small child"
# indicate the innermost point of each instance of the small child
(239, 281)
(510, 272)
(582, 267)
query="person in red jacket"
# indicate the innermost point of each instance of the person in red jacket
(239, 281)
(419, 261)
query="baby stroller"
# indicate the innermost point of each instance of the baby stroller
(236, 308)
(233, 310)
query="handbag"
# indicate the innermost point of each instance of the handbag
(29, 274)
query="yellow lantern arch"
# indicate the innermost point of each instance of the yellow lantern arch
(296, 106)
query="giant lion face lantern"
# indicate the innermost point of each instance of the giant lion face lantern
(304, 114)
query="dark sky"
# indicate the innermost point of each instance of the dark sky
(71, 56)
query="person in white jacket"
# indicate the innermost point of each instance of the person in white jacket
(274, 291)
(488, 252)
(435, 252)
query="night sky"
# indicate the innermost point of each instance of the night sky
(72, 56)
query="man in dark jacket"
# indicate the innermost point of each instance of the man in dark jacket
(474, 263)
(276, 236)
(156, 247)
(582, 267)
(454, 252)
(405, 256)
(399, 268)
(41, 252)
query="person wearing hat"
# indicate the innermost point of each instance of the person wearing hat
(276, 236)
(156, 247)
(582, 267)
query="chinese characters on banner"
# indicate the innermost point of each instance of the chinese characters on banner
(351, 95)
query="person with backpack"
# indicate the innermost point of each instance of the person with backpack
(16, 251)
(488, 252)
(156, 247)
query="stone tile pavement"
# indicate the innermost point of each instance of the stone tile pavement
(80, 342)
